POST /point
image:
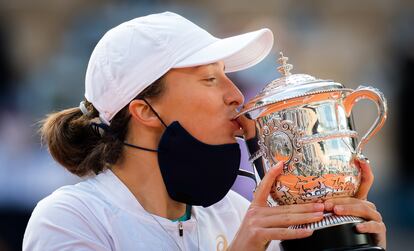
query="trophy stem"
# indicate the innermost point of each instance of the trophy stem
(342, 237)
(332, 233)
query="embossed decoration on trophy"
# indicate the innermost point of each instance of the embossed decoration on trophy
(307, 123)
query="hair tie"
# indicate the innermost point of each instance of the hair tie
(99, 128)
(83, 108)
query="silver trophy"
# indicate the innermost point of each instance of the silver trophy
(307, 123)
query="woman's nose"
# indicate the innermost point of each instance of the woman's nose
(233, 95)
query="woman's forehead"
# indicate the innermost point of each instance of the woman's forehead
(219, 64)
(201, 68)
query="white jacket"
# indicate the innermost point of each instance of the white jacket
(100, 213)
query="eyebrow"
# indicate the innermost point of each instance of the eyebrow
(214, 64)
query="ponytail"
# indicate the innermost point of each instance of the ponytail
(76, 141)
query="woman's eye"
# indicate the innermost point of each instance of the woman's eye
(210, 79)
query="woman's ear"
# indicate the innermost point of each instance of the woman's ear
(142, 113)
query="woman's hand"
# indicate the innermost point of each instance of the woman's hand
(262, 223)
(359, 206)
(363, 209)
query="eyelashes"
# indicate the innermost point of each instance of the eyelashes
(212, 79)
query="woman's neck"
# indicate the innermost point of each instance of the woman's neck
(140, 172)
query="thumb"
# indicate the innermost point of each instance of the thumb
(248, 125)
(367, 178)
(264, 187)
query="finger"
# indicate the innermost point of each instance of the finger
(367, 179)
(291, 209)
(329, 204)
(286, 220)
(371, 227)
(284, 233)
(263, 190)
(377, 228)
(248, 126)
(360, 210)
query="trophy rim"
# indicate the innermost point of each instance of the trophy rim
(329, 220)
(256, 103)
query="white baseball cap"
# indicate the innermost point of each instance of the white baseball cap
(134, 54)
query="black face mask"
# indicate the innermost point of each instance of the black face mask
(196, 173)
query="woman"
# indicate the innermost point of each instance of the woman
(155, 138)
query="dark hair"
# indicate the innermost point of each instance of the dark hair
(73, 141)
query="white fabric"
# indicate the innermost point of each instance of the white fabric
(134, 54)
(100, 213)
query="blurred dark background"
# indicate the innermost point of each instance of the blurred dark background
(45, 46)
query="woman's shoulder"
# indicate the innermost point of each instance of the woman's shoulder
(73, 211)
(78, 200)
(76, 196)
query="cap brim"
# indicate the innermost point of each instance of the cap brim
(237, 52)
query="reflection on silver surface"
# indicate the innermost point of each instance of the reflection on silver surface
(319, 136)
(280, 146)
(306, 123)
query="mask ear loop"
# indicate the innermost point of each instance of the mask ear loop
(247, 174)
(144, 148)
(140, 147)
(156, 114)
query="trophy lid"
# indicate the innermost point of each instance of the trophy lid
(289, 86)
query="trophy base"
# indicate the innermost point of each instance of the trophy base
(336, 238)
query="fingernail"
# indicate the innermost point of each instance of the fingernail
(338, 209)
(360, 227)
(319, 206)
(280, 165)
(328, 205)
(308, 231)
(318, 214)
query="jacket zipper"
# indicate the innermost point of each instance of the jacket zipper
(180, 228)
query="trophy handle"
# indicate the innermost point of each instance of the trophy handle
(373, 94)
